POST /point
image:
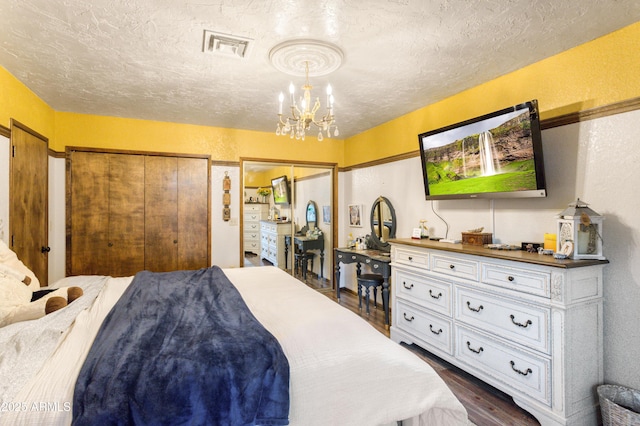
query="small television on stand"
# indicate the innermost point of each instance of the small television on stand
(281, 190)
(497, 155)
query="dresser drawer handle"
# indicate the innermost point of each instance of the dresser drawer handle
(524, 373)
(478, 309)
(435, 297)
(519, 324)
(477, 351)
(433, 331)
(404, 283)
(410, 258)
(510, 278)
(452, 266)
(407, 319)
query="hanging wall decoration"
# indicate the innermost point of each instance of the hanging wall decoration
(226, 197)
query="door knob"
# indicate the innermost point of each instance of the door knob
(45, 249)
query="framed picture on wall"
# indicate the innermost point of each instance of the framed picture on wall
(355, 215)
(326, 214)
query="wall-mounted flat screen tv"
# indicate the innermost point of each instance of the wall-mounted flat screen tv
(281, 191)
(497, 155)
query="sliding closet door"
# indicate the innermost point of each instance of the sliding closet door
(161, 214)
(106, 214)
(177, 213)
(131, 212)
(88, 213)
(193, 213)
(126, 215)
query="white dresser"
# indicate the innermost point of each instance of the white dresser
(526, 323)
(272, 241)
(253, 214)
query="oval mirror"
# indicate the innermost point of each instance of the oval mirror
(312, 214)
(383, 224)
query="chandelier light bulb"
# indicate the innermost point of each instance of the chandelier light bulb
(280, 99)
(292, 91)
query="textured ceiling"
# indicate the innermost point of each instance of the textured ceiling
(144, 59)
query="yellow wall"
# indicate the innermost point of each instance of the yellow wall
(222, 144)
(20, 103)
(594, 74)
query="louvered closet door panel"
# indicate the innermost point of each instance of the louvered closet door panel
(88, 216)
(126, 214)
(193, 213)
(161, 213)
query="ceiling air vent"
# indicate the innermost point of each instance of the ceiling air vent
(226, 45)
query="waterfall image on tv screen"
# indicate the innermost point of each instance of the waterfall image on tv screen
(491, 155)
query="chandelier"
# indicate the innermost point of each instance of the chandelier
(315, 58)
(304, 115)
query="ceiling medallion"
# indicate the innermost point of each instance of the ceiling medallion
(306, 58)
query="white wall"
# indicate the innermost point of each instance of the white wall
(225, 236)
(4, 189)
(596, 161)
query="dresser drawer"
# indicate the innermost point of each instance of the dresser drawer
(252, 217)
(430, 328)
(410, 257)
(252, 208)
(252, 226)
(253, 246)
(522, 280)
(512, 320)
(252, 236)
(268, 227)
(455, 267)
(425, 291)
(521, 371)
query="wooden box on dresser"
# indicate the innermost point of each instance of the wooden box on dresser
(272, 241)
(253, 214)
(526, 323)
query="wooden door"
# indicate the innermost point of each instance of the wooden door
(126, 215)
(161, 213)
(193, 213)
(87, 213)
(29, 195)
(105, 216)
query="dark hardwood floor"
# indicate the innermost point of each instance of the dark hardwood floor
(486, 405)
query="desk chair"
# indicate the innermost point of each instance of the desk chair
(368, 281)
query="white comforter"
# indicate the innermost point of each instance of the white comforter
(342, 370)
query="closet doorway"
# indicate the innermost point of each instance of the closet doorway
(269, 229)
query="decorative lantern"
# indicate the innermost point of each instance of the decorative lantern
(580, 232)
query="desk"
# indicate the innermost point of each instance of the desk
(380, 263)
(304, 243)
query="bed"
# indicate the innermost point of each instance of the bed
(342, 371)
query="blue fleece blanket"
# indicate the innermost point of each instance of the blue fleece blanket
(182, 348)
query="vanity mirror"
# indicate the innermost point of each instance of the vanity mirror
(312, 214)
(383, 224)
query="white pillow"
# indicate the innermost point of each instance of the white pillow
(13, 292)
(9, 258)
